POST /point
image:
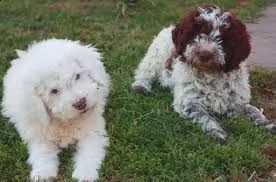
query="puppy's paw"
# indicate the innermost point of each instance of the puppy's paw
(271, 127)
(219, 135)
(140, 88)
(85, 175)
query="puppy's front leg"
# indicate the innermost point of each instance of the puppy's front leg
(89, 156)
(199, 115)
(153, 63)
(44, 161)
(258, 118)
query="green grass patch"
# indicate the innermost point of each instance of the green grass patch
(148, 141)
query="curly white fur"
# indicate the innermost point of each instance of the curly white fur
(40, 89)
(198, 95)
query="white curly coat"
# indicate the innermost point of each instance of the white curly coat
(197, 95)
(46, 119)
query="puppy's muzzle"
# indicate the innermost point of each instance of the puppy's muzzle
(204, 55)
(80, 104)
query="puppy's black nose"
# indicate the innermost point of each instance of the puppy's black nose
(80, 104)
(205, 55)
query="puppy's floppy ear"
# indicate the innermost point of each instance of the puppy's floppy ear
(35, 108)
(21, 102)
(92, 63)
(185, 30)
(236, 43)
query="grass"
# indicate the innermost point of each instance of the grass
(148, 141)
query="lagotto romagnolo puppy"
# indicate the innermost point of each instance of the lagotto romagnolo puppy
(201, 59)
(55, 93)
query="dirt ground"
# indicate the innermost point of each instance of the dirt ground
(263, 32)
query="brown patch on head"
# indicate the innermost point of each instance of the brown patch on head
(236, 43)
(188, 27)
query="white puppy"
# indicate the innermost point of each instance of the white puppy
(55, 93)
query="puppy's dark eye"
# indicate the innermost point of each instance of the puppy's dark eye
(77, 76)
(54, 91)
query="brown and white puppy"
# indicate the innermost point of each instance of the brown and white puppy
(201, 59)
